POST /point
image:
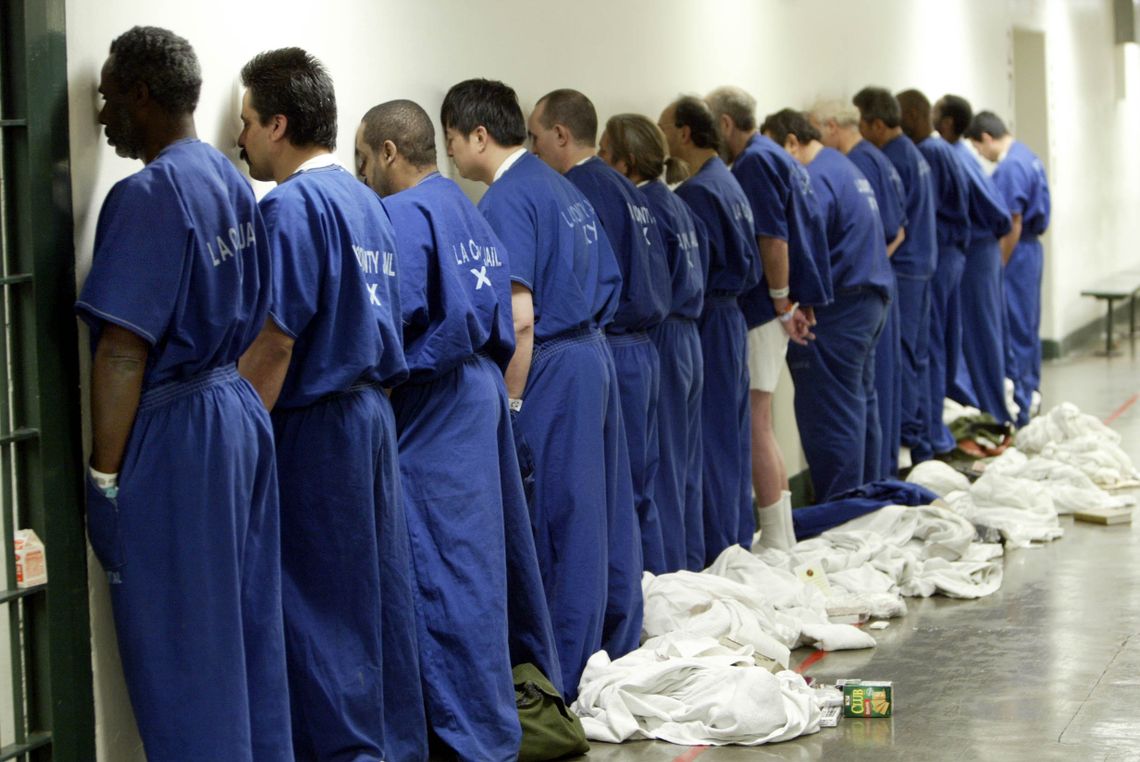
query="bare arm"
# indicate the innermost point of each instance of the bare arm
(774, 258)
(266, 362)
(522, 306)
(894, 245)
(1009, 240)
(116, 385)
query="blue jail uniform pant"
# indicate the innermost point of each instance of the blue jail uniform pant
(914, 364)
(453, 433)
(835, 404)
(983, 335)
(888, 391)
(726, 420)
(1022, 284)
(350, 630)
(639, 381)
(945, 340)
(680, 503)
(191, 546)
(582, 509)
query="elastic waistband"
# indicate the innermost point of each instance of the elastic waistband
(564, 340)
(359, 386)
(864, 289)
(721, 299)
(627, 339)
(172, 390)
(478, 357)
(1028, 238)
(678, 320)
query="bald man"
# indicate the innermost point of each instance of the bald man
(475, 567)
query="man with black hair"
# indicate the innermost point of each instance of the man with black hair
(182, 502)
(563, 131)
(477, 576)
(321, 364)
(880, 120)
(838, 415)
(952, 225)
(1020, 176)
(980, 377)
(717, 199)
(561, 380)
(795, 270)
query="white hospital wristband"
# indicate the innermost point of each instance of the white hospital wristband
(785, 317)
(103, 481)
(779, 293)
(515, 405)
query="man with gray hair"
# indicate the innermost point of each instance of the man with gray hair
(796, 277)
(838, 124)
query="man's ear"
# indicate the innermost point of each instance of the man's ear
(685, 134)
(389, 152)
(278, 126)
(726, 124)
(562, 135)
(479, 139)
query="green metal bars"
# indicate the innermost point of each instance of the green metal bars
(40, 425)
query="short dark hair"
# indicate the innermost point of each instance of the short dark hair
(878, 103)
(163, 61)
(789, 122)
(484, 103)
(290, 82)
(573, 110)
(987, 122)
(407, 125)
(958, 110)
(692, 112)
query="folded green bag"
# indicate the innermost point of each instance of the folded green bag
(549, 729)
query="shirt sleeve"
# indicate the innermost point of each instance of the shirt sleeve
(516, 225)
(768, 194)
(295, 247)
(143, 246)
(1013, 182)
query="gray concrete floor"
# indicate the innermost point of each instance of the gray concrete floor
(1047, 668)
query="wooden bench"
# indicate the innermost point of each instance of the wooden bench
(1112, 288)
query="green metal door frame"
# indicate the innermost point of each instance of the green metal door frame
(41, 434)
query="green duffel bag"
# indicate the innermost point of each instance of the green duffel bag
(549, 729)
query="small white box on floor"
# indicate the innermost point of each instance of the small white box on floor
(31, 563)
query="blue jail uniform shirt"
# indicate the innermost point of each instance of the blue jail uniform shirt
(455, 286)
(854, 231)
(569, 266)
(333, 244)
(918, 254)
(633, 236)
(784, 206)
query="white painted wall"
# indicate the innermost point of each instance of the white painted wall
(637, 55)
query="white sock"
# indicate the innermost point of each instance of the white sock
(776, 530)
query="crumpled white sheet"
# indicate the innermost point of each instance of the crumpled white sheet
(1067, 435)
(693, 691)
(1070, 488)
(742, 600)
(952, 411)
(900, 550)
(938, 477)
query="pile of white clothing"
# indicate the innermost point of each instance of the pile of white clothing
(693, 691)
(952, 411)
(1067, 435)
(767, 609)
(899, 550)
(705, 674)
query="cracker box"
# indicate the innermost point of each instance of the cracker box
(31, 567)
(866, 698)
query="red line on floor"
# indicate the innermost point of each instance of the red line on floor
(809, 661)
(692, 754)
(1122, 409)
